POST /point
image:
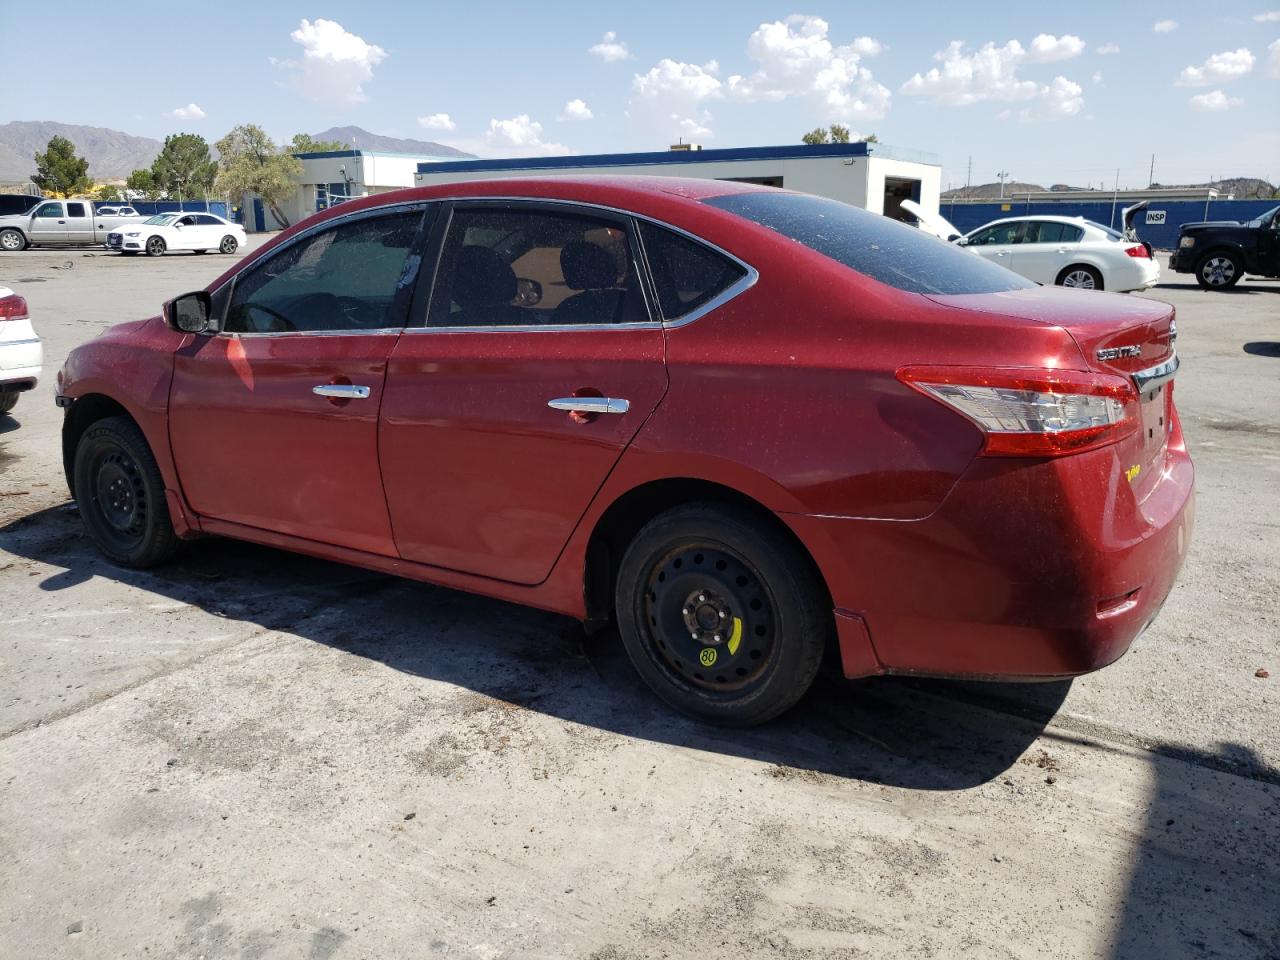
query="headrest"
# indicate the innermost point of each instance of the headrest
(588, 266)
(482, 278)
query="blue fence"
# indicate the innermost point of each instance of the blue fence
(1159, 231)
(152, 207)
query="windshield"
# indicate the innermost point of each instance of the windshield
(883, 249)
(1113, 234)
(1267, 217)
(161, 219)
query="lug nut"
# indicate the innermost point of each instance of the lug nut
(694, 634)
(685, 611)
(717, 638)
(723, 614)
(702, 598)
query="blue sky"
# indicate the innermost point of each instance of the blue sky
(1049, 93)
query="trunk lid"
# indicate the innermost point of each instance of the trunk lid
(934, 223)
(1116, 334)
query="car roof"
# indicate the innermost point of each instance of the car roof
(1074, 221)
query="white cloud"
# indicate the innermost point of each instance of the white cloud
(1164, 26)
(1219, 68)
(190, 112)
(990, 73)
(1107, 48)
(1214, 102)
(673, 94)
(1273, 62)
(795, 58)
(1270, 16)
(1046, 48)
(610, 48)
(576, 110)
(1097, 77)
(437, 121)
(1061, 98)
(520, 136)
(335, 64)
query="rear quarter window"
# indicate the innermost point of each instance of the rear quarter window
(883, 249)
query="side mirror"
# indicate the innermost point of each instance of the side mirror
(961, 241)
(189, 313)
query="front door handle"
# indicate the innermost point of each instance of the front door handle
(341, 391)
(590, 404)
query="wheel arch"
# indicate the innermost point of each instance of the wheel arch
(1076, 264)
(26, 241)
(618, 524)
(84, 413)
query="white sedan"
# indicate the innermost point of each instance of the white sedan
(157, 235)
(1066, 251)
(21, 353)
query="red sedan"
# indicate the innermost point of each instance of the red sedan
(737, 421)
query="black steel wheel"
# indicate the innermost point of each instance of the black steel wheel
(721, 613)
(120, 494)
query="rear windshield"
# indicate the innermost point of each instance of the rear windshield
(886, 250)
(1113, 234)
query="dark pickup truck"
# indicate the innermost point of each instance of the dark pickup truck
(1220, 252)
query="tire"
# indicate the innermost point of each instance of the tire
(156, 246)
(11, 241)
(120, 494)
(7, 402)
(1081, 276)
(721, 615)
(229, 244)
(1219, 270)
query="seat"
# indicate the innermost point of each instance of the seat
(592, 270)
(483, 287)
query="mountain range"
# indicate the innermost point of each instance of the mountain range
(113, 155)
(1239, 187)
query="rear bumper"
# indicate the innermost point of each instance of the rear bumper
(1137, 274)
(1028, 570)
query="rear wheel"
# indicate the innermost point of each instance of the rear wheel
(120, 494)
(11, 241)
(721, 614)
(229, 244)
(1081, 276)
(1219, 270)
(7, 402)
(155, 246)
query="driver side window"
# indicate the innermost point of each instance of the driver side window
(355, 276)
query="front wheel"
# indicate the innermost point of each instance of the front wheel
(120, 494)
(1080, 276)
(229, 244)
(721, 614)
(1219, 271)
(11, 241)
(155, 246)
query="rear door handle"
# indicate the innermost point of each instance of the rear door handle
(590, 404)
(341, 391)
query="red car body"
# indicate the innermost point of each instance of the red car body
(940, 554)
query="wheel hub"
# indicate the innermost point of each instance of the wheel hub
(119, 495)
(707, 616)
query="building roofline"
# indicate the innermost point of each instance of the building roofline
(333, 154)
(652, 158)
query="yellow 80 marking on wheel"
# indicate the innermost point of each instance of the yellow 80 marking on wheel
(707, 657)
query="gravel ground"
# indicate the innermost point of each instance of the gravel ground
(253, 754)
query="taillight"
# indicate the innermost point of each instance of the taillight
(13, 307)
(1139, 252)
(1033, 412)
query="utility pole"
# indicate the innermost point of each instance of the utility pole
(1151, 177)
(1002, 176)
(968, 177)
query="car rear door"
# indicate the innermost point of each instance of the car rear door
(274, 420)
(1044, 247)
(79, 225)
(533, 365)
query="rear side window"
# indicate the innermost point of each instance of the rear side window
(357, 276)
(685, 273)
(76, 210)
(883, 249)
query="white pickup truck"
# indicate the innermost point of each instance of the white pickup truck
(64, 223)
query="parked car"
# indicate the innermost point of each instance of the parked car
(115, 211)
(14, 204)
(59, 223)
(157, 235)
(1220, 252)
(737, 421)
(21, 353)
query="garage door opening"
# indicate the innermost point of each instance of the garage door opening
(895, 191)
(762, 181)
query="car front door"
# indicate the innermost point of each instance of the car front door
(185, 234)
(1269, 245)
(1044, 247)
(49, 223)
(274, 418)
(995, 243)
(507, 404)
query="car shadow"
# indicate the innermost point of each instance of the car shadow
(1263, 348)
(922, 734)
(8, 423)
